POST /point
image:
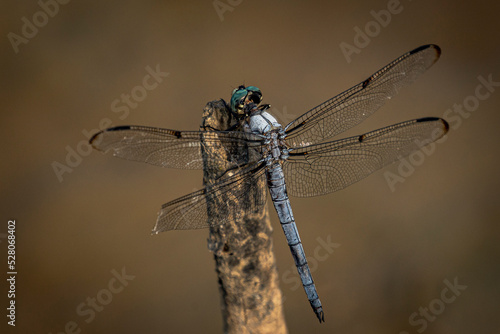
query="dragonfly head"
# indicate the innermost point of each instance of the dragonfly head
(242, 96)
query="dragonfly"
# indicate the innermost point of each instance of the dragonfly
(299, 159)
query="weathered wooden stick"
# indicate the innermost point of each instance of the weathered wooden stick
(245, 264)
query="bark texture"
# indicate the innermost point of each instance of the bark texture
(245, 264)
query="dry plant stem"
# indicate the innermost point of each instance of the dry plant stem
(245, 264)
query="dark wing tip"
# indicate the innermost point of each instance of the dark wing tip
(444, 124)
(428, 119)
(427, 46)
(119, 128)
(94, 140)
(436, 49)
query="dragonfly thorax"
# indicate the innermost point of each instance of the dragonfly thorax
(275, 150)
(261, 122)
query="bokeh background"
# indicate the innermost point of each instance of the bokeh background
(395, 247)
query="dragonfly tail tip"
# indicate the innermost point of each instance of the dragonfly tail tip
(321, 315)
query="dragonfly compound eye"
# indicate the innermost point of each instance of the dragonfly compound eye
(254, 94)
(238, 100)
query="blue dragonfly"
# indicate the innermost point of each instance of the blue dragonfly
(299, 159)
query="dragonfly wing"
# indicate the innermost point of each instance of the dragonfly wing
(357, 103)
(175, 149)
(328, 167)
(204, 207)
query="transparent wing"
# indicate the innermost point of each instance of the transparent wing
(229, 198)
(357, 103)
(328, 167)
(175, 149)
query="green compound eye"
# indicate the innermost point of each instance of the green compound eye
(255, 95)
(254, 89)
(244, 94)
(238, 99)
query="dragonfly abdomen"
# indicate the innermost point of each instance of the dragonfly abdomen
(277, 188)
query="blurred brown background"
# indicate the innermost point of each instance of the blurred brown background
(396, 246)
